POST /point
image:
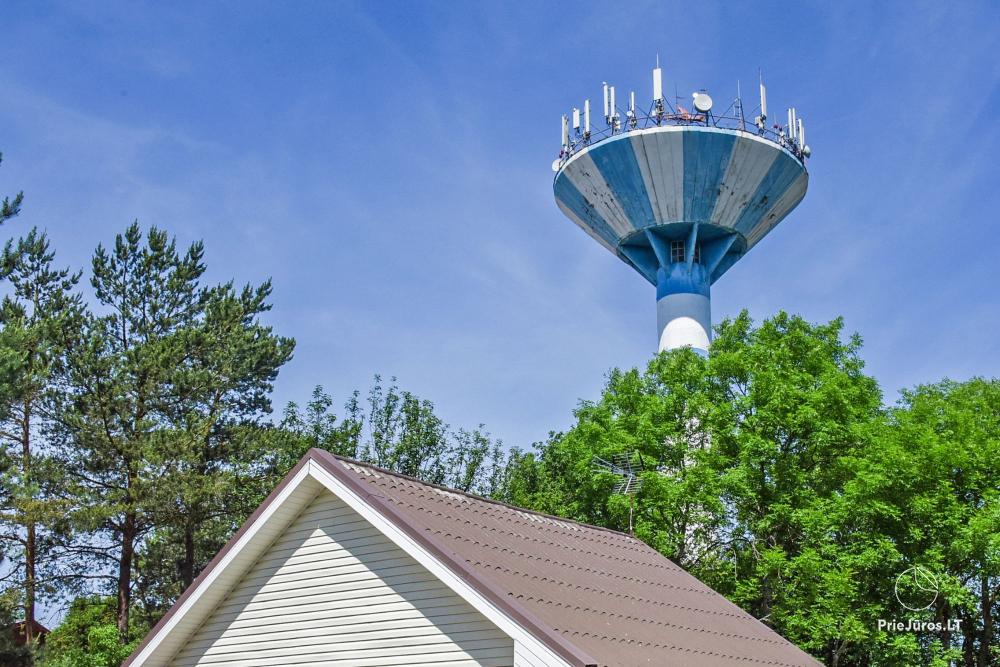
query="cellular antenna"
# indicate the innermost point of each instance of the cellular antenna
(614, 112)
(761, 120)
(763, 100)
(658, 90)
(576, 119)
(565, 132)
(586, 120)
(739, 105)
(607, 116)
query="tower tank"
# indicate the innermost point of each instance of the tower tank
(680, 195)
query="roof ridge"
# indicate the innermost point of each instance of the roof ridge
(473, 496)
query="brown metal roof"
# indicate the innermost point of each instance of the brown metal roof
(606, 594)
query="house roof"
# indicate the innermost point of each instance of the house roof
(17, 631)
(590, 595)
(606, 592)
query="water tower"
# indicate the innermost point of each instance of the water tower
(680, 194)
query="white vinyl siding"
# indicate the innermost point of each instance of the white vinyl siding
(333, 590)
(525, 657)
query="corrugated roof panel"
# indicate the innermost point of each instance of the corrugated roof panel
(608, 593)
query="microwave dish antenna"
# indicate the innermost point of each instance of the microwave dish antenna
(702, 102)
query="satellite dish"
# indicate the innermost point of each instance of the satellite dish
(555, 164)
(702, 102)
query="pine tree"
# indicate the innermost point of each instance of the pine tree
(36, 318)
(120, 380)
(8, 207)
(159, 389)
(221, 388)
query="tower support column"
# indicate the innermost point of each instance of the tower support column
(683, 306)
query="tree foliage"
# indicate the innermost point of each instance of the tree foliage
(89, 636)
(772, 471)
(10, 207)
(396, 430)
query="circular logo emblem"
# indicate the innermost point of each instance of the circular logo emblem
(916, 588)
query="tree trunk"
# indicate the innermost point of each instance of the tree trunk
(187, 569)
(968, 640)
(125, 574)
(941, 616)
(986, 608)
(29, 584)
(29, 522)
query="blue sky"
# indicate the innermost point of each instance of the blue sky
(387, 164)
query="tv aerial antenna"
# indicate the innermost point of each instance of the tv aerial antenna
(629, 482)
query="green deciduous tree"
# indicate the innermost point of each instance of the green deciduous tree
(772, 471)
(89, 636)
(395, 430)
(796, 410)
(943, 451)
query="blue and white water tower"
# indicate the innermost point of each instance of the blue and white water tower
(680, 195)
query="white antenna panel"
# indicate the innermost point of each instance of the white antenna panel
(763, 101)
(631, 102)
(565, 131)
(657, 84)
(586, 116)
(576, 119)
(606, 114)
